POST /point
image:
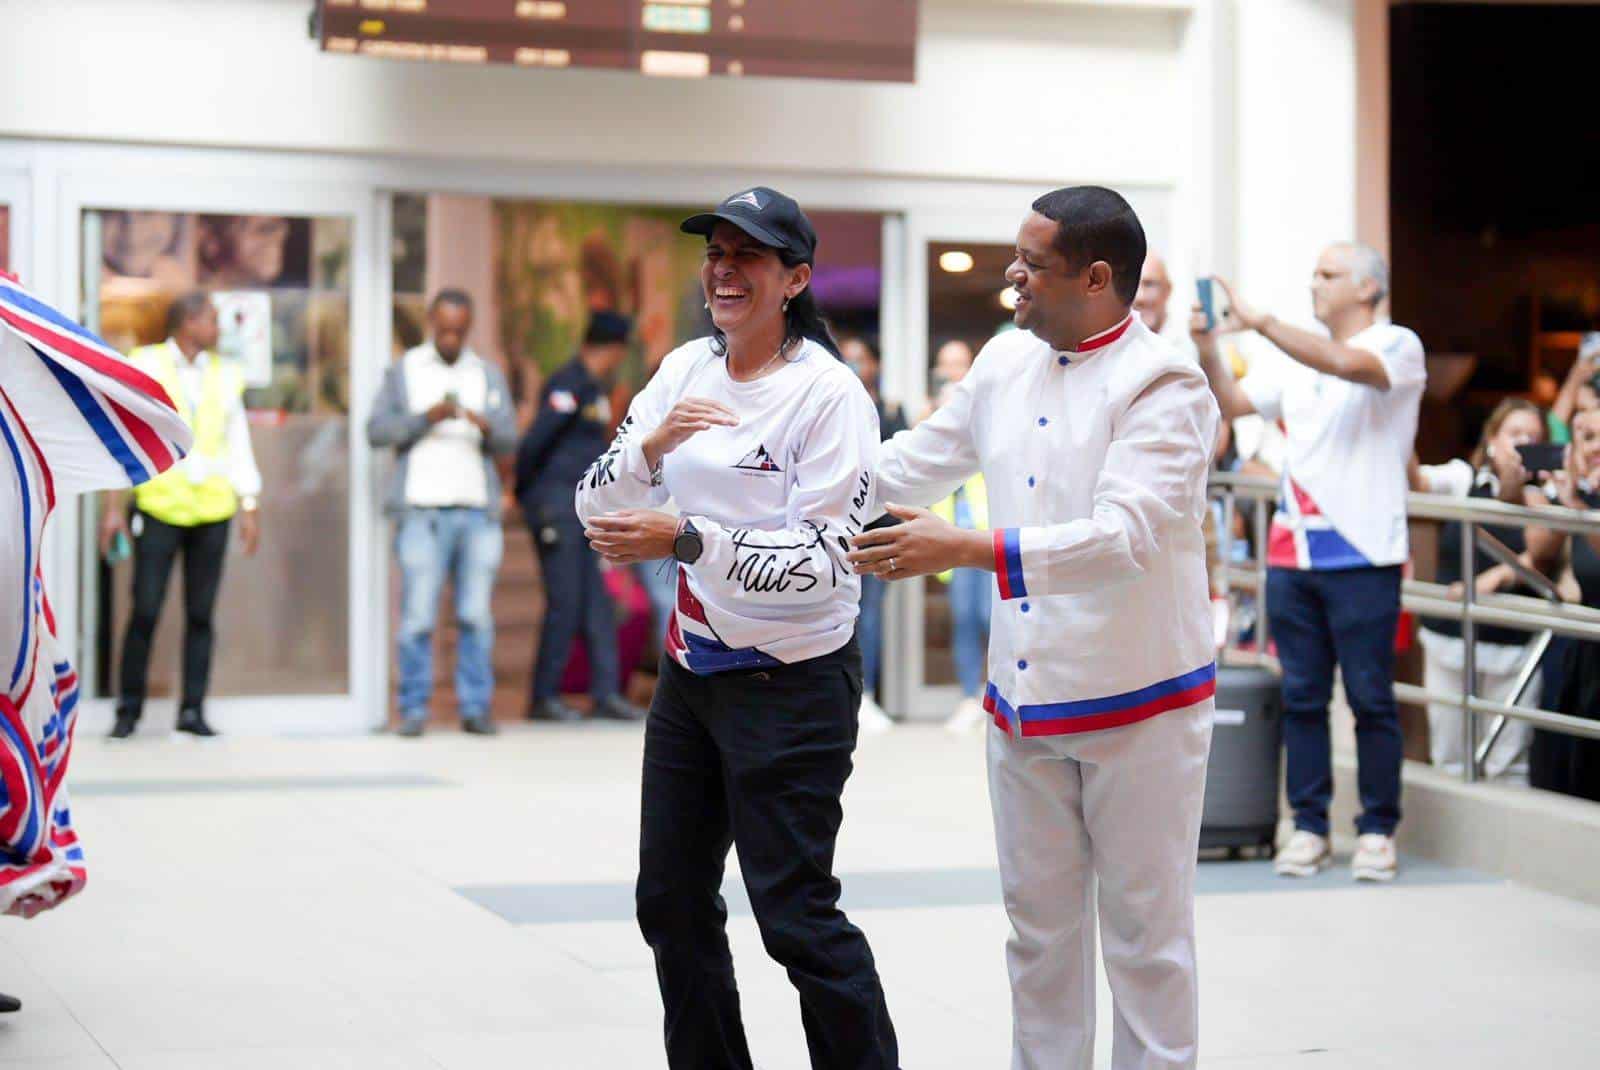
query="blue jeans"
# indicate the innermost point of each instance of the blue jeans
(971, 590)
(430, 544)
(1346, 618)
(870, 630)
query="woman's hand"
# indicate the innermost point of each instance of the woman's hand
(1566, 481)
(1511, 473)
(688, 418)
(632, 535)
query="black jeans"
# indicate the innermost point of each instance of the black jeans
(756, 759)
(204, 548)
(1346, 618)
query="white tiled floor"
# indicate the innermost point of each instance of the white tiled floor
(276, 916)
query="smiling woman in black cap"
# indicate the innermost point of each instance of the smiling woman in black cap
(765, 440)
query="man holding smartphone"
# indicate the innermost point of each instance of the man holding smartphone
(447, 414)
(1338, 540)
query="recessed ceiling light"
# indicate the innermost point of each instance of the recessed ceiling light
(1008, 299)
(956, 261)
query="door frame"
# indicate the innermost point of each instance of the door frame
(156, 188)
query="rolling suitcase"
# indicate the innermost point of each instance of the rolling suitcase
(1241, 800)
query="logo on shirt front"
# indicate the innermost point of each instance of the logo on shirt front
(758, 460)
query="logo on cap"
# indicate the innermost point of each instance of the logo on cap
(748, 198)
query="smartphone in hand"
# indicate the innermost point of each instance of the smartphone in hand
(1205, 289)
(1542, 457)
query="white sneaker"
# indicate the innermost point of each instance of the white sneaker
(1305, 855)
(1375, 858)
(873, 721)
(968, 716)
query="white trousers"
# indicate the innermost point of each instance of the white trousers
(1497, 665)
(1121, 809)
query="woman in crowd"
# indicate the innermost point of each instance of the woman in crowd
(765, 440)
(1562, 762)
(1494, 471)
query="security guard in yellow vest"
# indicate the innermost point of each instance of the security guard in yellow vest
(188, 510)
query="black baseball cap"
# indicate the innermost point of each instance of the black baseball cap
(767, 216)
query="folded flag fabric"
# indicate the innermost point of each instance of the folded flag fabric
(75, 416)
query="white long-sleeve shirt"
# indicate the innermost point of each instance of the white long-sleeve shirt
(1095, 462)
(775, 500)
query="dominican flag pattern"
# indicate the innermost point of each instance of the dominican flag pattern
(1303, 538)
(694, 644)
(74, 416)
(1096, 714)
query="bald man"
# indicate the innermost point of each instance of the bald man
(1348, 398)
(1155, 290)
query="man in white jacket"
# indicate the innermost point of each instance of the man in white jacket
(1093, 436)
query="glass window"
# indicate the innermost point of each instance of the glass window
(281, 285)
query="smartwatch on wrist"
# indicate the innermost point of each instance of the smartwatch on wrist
(687, 545)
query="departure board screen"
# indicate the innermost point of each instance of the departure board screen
(861, 40)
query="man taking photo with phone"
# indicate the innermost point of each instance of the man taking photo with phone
(1348, 403)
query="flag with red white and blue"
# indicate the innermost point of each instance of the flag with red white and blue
(74, 416)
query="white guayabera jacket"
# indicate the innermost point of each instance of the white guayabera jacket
(1095, 462)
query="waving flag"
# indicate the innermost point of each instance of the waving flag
(74, 416)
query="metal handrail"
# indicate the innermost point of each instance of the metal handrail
(1544, 616)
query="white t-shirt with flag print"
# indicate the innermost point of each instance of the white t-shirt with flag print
(775, 500)
(1343, 503)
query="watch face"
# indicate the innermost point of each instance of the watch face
(687, 547)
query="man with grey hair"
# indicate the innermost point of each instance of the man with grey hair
(1349, 406)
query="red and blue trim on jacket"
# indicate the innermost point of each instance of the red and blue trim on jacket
(1097, 714)
(1008, 563)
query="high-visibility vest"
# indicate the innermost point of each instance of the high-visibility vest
(173, 497)
(977, 495)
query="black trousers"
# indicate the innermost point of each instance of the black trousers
(576, 600)
(204, 549)
(755, 759)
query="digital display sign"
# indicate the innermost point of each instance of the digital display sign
(860, 40)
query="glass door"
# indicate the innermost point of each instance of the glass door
(969, 302)
(281, 286)
(290, 653)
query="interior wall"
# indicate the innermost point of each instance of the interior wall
(1004, 90)
(1297, 144)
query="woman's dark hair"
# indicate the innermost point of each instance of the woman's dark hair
(803, 317)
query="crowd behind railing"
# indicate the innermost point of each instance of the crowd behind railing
(1509, 677)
